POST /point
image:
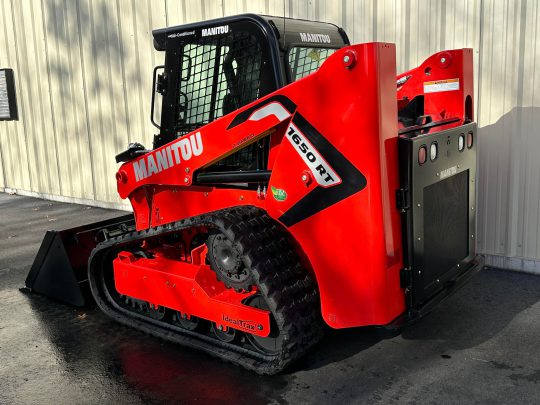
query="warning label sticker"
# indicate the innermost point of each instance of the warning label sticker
(441, 85)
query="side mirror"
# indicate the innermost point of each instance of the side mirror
(158, 86)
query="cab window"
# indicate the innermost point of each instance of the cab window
(303, 61)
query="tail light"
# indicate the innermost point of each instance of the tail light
(469, 140)
(422, 155)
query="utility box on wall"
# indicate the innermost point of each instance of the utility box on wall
(8, 100)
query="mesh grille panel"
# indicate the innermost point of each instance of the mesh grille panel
(304, 61)
(219, 75)
(225, 75)
(446, 224)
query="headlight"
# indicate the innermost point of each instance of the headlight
(433, 151)
(461, 142)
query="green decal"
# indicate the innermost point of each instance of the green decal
(279, 194)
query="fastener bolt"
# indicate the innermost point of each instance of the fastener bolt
(260, 327)
(220, 327)
(187, 169)
(443, 60)
(186, 180)
(346, 58)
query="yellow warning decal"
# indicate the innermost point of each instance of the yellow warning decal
(441, 85)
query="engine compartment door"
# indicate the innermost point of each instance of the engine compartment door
(438, 198)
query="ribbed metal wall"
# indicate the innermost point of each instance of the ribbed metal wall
(83, 72)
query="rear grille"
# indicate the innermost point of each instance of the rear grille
(446, 225)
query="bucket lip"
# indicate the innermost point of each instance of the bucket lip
(59, 269)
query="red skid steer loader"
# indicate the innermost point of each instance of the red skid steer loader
(295, 181)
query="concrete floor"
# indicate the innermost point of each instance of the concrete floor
(479, 346)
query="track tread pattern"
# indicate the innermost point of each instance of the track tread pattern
(267, 252)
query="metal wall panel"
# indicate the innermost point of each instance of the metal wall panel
(509, 138)
(83, 75)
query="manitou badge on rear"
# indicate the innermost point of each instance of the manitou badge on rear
(291, 184)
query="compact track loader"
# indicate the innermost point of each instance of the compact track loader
(295, 181)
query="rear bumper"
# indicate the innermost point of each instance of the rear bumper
(451, 286)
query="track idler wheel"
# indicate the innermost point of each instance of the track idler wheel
(274, 341)
(227, 335)
(143, 307)
(190, 323)
(156, 312)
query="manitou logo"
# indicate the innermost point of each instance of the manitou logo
(172, 155)
(222, 29)
(448, 172)
(321, 38)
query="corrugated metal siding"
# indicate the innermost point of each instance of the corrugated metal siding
(509, 138)
(83, 71)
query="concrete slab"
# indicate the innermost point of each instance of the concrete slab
(479, 346)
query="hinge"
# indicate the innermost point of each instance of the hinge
(161, 86)
(158, 141)
(405, 278)
(402, 199)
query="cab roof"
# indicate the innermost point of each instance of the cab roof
(285, 31)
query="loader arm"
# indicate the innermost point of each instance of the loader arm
(173, 164)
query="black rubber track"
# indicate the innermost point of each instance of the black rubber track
(266, 251)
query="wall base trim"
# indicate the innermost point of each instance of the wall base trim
(513, 263)
(83, 201)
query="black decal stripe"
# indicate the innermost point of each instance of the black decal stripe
(244, 115)
(352, 180)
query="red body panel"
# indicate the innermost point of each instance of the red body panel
(444, 68)
(352, 242)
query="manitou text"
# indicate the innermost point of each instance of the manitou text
(172, 155)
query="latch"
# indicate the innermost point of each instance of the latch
(405, 278)
(402, 199)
